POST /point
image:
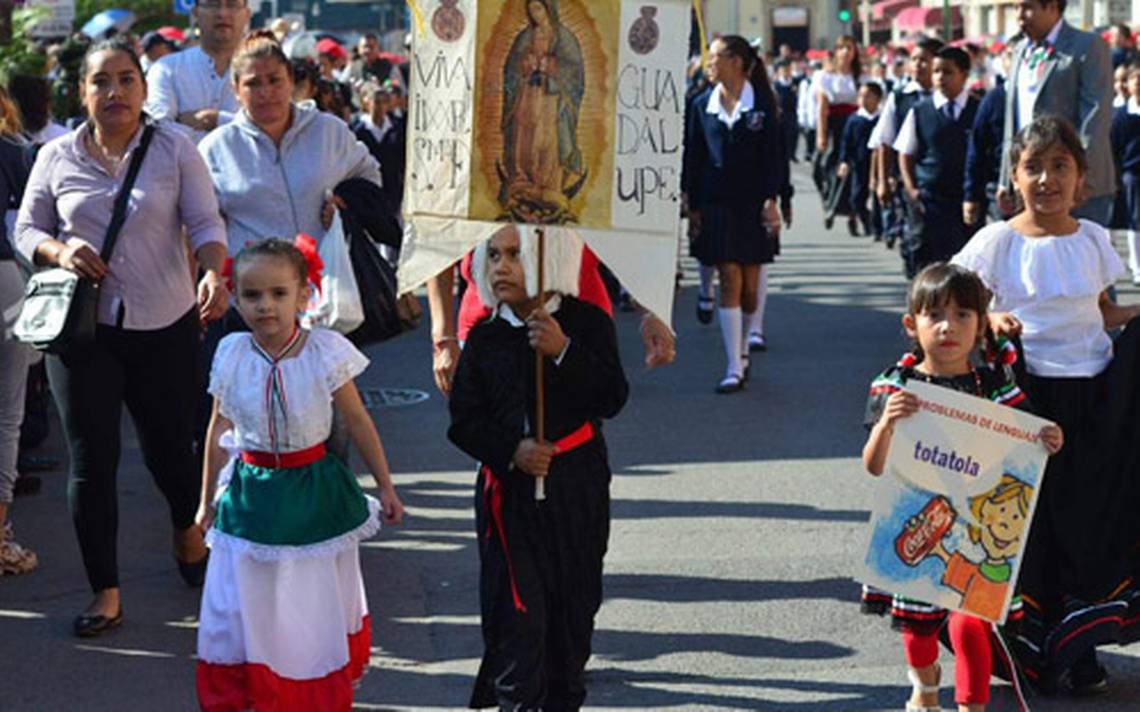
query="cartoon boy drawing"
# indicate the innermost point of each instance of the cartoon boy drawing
(1001, 516)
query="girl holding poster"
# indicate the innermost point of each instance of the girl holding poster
(1049, 273)
(946, 317)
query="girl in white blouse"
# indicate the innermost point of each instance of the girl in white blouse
(1049, 274)
(836, 93)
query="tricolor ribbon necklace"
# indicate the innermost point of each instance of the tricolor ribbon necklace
(275, 400)
(1038, 56)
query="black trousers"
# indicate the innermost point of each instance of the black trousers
(540, 581)
(153, 373)
(934, 232)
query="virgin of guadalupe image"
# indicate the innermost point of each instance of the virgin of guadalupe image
(543, 83)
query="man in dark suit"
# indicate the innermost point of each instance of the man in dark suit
(1058, 69)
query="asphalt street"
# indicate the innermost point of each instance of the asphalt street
(738, 525)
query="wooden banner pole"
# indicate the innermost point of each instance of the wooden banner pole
(540, 391)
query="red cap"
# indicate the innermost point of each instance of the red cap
(331, 48)
(171, 33)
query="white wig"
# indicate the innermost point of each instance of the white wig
(563, 252)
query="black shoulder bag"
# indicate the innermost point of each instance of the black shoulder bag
(60, 305)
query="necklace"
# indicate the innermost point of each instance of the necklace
(106, 156)
(276, 403)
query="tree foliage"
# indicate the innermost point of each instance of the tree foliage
(21, 55)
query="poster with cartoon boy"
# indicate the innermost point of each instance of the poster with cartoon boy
(999, 520)
(953, 508)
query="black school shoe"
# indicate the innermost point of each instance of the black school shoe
(730, 384)
(706, 307)
(1088, 677)
(89, 626)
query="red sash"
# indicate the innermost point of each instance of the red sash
(298, 458)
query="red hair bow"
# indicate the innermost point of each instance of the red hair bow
(313, 263)
(228, 274)
(306, 245)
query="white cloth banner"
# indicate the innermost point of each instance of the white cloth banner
(551, 112)
(953, 507)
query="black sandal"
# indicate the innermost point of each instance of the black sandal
(730, 384)
(89, 626)
(705, 308)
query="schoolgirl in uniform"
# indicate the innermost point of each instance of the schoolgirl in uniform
(734, 168)
(284, 620)
(540, 576)
(946, 317)
(1049, 274)
(837, 92)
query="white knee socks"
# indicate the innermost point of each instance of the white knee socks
(746, 320)
(756, 322)
(731, 325)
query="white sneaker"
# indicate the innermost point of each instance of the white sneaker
(14, 559)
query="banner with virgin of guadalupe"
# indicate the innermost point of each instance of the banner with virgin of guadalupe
(561, 114)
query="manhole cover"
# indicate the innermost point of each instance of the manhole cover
(391, 397)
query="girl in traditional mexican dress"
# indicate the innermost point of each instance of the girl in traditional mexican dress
(1050, 274)
(946, 317)
(284, 620)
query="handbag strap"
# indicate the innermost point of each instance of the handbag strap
(119, 215)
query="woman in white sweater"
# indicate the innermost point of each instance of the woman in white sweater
(276, 163)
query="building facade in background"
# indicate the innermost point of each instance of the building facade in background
(816, 23)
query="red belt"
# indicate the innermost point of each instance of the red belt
(493, 497)
(842, 109)
(576, 439)
(297, 458)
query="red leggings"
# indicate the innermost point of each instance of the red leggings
(973, 659)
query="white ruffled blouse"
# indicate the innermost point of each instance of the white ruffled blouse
(838, 88)
(239, 377)
(1052, 284)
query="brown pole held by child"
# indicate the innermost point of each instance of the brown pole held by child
(540, 391)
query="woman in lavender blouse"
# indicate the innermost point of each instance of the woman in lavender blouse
(150, 313)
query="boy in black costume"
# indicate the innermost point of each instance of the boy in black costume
(541, 560)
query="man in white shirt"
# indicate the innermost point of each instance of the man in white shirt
(193, 87)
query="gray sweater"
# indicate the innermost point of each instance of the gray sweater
(277, 191)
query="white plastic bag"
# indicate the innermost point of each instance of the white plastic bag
(337, 306)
